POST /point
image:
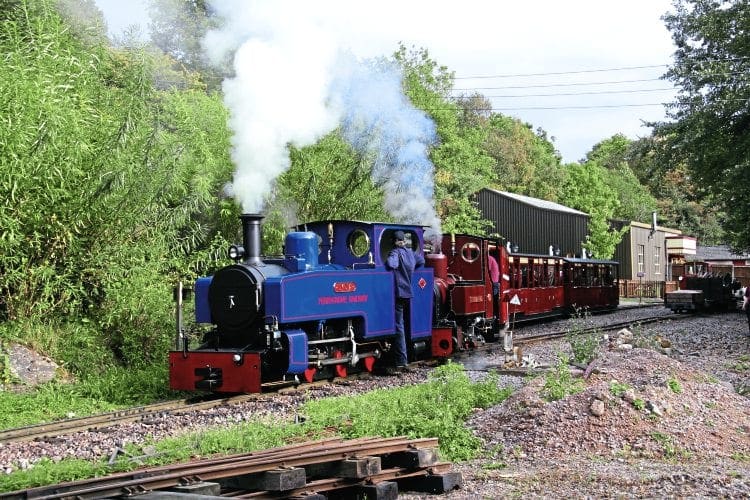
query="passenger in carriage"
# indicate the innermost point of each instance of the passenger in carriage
(494, 271)
(746, 305)
(608, 278)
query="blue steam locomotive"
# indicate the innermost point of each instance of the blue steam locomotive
(324, 308)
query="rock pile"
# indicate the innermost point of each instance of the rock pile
(636, 403)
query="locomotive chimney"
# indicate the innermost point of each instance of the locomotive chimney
(251, 237)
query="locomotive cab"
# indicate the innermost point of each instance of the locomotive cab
(359, 244)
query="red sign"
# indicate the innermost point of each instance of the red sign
(344, 286)
(422, 283)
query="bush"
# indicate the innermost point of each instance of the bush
(558, 382)
(437, 408)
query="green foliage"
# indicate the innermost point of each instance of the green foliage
(78, 346)
(106, 390)
(674, 384)
(242, 438)
(525, 162)
(639, 404)
(6, 373)
(584, 189)
(108, 185)
(742, 364)
(656, 163)
(618, 388)
(461, 166)
(635, 201)
(245, 437)
(666, 442)
(559, 383)
(329, 180)
(437, 408)
(584, 347)
(711, 127)
(178, 27)
(48, 402)
(48, 472)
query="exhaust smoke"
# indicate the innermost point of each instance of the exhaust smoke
(294, 82)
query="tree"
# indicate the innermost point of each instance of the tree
(613, 154)
(525, 162)
(326, 180)
(461, 166)
(108, 188)
(680, 203)
(584, 189)
(711, 131)
(177, 28)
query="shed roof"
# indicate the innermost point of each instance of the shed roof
(536, 202)
(705, 253)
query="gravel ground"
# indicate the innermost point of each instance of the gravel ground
(650, 441)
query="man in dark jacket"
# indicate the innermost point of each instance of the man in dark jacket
(402, 260)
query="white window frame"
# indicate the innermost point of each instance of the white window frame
(641, 255)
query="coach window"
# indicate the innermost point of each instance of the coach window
(513, 271)
(609, 278)
(517, 271)
(550, 277)
(580, 276)
(536, 277)
(358, 242)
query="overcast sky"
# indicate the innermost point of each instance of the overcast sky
(589, 68)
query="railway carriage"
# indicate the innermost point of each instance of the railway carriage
(591, 284)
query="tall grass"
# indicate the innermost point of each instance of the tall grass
(437, 408)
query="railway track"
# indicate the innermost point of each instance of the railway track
(539, 337)
(103, 420)
(360, 468)
(50, 430)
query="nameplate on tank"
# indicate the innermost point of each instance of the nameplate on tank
(344, 286)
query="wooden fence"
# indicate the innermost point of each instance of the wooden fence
(646, 289)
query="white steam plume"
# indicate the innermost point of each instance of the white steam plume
(294, 82)
(379, 121)
(278, 93)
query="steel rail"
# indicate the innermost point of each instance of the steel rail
(532, 338)
(225, 467)
(108, 419)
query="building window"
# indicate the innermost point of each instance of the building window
(641, 254)
(657, 262)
